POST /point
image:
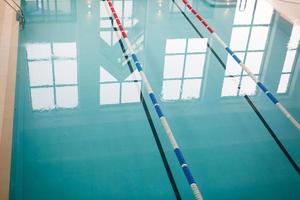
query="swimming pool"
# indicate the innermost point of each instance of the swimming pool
(84, 130)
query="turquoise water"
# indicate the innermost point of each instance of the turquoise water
(82, 132)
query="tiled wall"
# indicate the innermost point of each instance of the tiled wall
(8, 57)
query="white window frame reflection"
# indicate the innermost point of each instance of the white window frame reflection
(53, 80)
(250, 26)
(290, 61)
(183, 68)
(112, 91)
(124, 9)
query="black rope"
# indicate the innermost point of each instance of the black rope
(266, 125)
(152, 126)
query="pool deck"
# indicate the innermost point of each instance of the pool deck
(8, 56)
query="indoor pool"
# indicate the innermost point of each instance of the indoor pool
(85, 127)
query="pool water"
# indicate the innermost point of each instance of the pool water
(85, 128)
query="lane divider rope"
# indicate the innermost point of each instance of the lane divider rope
(154, 132)
(259, 115)
(244, 67)
(156, 105)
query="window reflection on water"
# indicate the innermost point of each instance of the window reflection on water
(183, 68)
(52, 75)
(124, 9)
(113, 91)
(289, 63)
(53, 67)
(248, 39)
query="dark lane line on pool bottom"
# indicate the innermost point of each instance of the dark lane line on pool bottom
(152, 126)
(254, 108)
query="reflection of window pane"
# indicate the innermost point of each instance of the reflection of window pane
(173, 67)
(105, 76)
(42, 98)
(109, 37)
(248, 87)
(175, 45)
(283, 83)
(66, 50)
(191, 88)
(128, 9)
(127, 22)
(263, 12)
(38, 51)
(103, 11)
(40, 73)
(64, 6)
(295, 37)
(109, 93)
(134, 22)
(239, 38)
(194, 65)
(244, 16)
(134, 76)
(67, 97)
(116, 38)
(232, 67)
(105, 23)
(197, 45)
(130, 92)
(65, 71)
(258, 39)
(106, 36)
(171, 89)
(118, 7)
(289, 61)
(253, 61)
(230, 86)
(52, 6)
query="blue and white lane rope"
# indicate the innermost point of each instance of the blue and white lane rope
(156, 105)
(238, 60)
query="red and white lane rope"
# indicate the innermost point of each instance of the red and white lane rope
(241, 64)
(110, 8)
